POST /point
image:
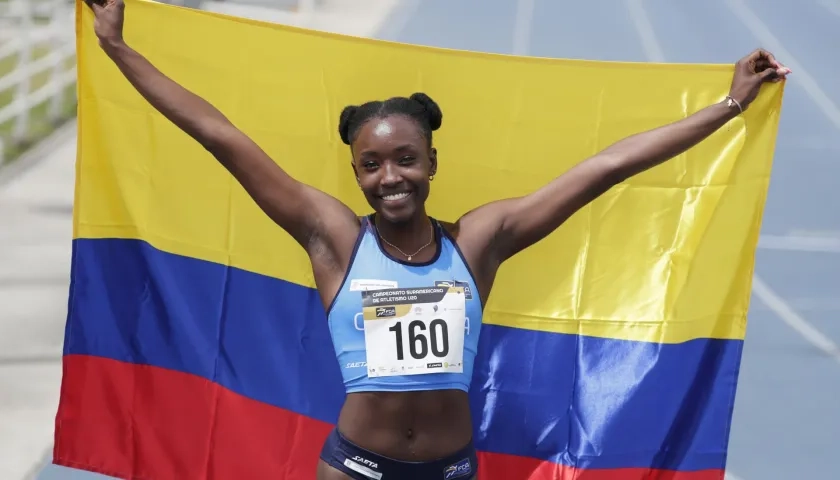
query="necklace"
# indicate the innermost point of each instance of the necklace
(408, 257)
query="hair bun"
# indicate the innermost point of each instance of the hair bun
(433, 113)
(344, 122)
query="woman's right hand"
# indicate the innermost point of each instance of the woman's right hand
(108, 23)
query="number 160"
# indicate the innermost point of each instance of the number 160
(418, 346)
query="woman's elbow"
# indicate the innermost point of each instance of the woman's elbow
(613, 168)
(215, 136)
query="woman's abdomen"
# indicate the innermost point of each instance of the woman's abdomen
(408, 426)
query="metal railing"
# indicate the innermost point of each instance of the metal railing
(37, 68)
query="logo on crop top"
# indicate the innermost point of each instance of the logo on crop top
(455, 283)
(385, 312)
(457, 470)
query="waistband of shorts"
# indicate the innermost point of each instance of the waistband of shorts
(341, 452)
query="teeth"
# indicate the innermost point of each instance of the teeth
(397, 196)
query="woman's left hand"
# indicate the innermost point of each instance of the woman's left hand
(751, 72)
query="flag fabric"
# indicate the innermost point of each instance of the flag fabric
(196, 345)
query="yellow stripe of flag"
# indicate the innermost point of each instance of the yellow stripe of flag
(665, 257)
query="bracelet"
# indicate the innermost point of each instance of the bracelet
(731, 101)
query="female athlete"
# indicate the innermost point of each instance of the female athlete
(407, 415)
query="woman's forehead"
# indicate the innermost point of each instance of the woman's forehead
(388, 132)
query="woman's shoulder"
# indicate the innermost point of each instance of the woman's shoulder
(449, 227)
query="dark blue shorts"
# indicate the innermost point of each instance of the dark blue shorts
(361, 464)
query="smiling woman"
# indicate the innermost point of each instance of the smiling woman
(422, 419)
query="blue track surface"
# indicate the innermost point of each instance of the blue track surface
(787, 415)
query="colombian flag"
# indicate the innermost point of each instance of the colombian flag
(196, 345)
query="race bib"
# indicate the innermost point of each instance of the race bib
(412, 331)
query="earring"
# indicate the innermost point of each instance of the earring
(431, 177)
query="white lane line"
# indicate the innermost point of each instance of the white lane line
(392, 27)
(794, 320)
(832, 6)
(522, 26)
(799, 243)
(650, 44)
(763, 34)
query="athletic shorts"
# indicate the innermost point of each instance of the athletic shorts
(361, 464)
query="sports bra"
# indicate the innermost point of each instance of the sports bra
(395, 325)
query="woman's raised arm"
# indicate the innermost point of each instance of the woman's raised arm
(304, 212)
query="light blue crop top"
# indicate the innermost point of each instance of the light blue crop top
(370, 263)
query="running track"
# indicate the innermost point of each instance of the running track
(787, 415)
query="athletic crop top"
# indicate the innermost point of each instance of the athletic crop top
(394, 325)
